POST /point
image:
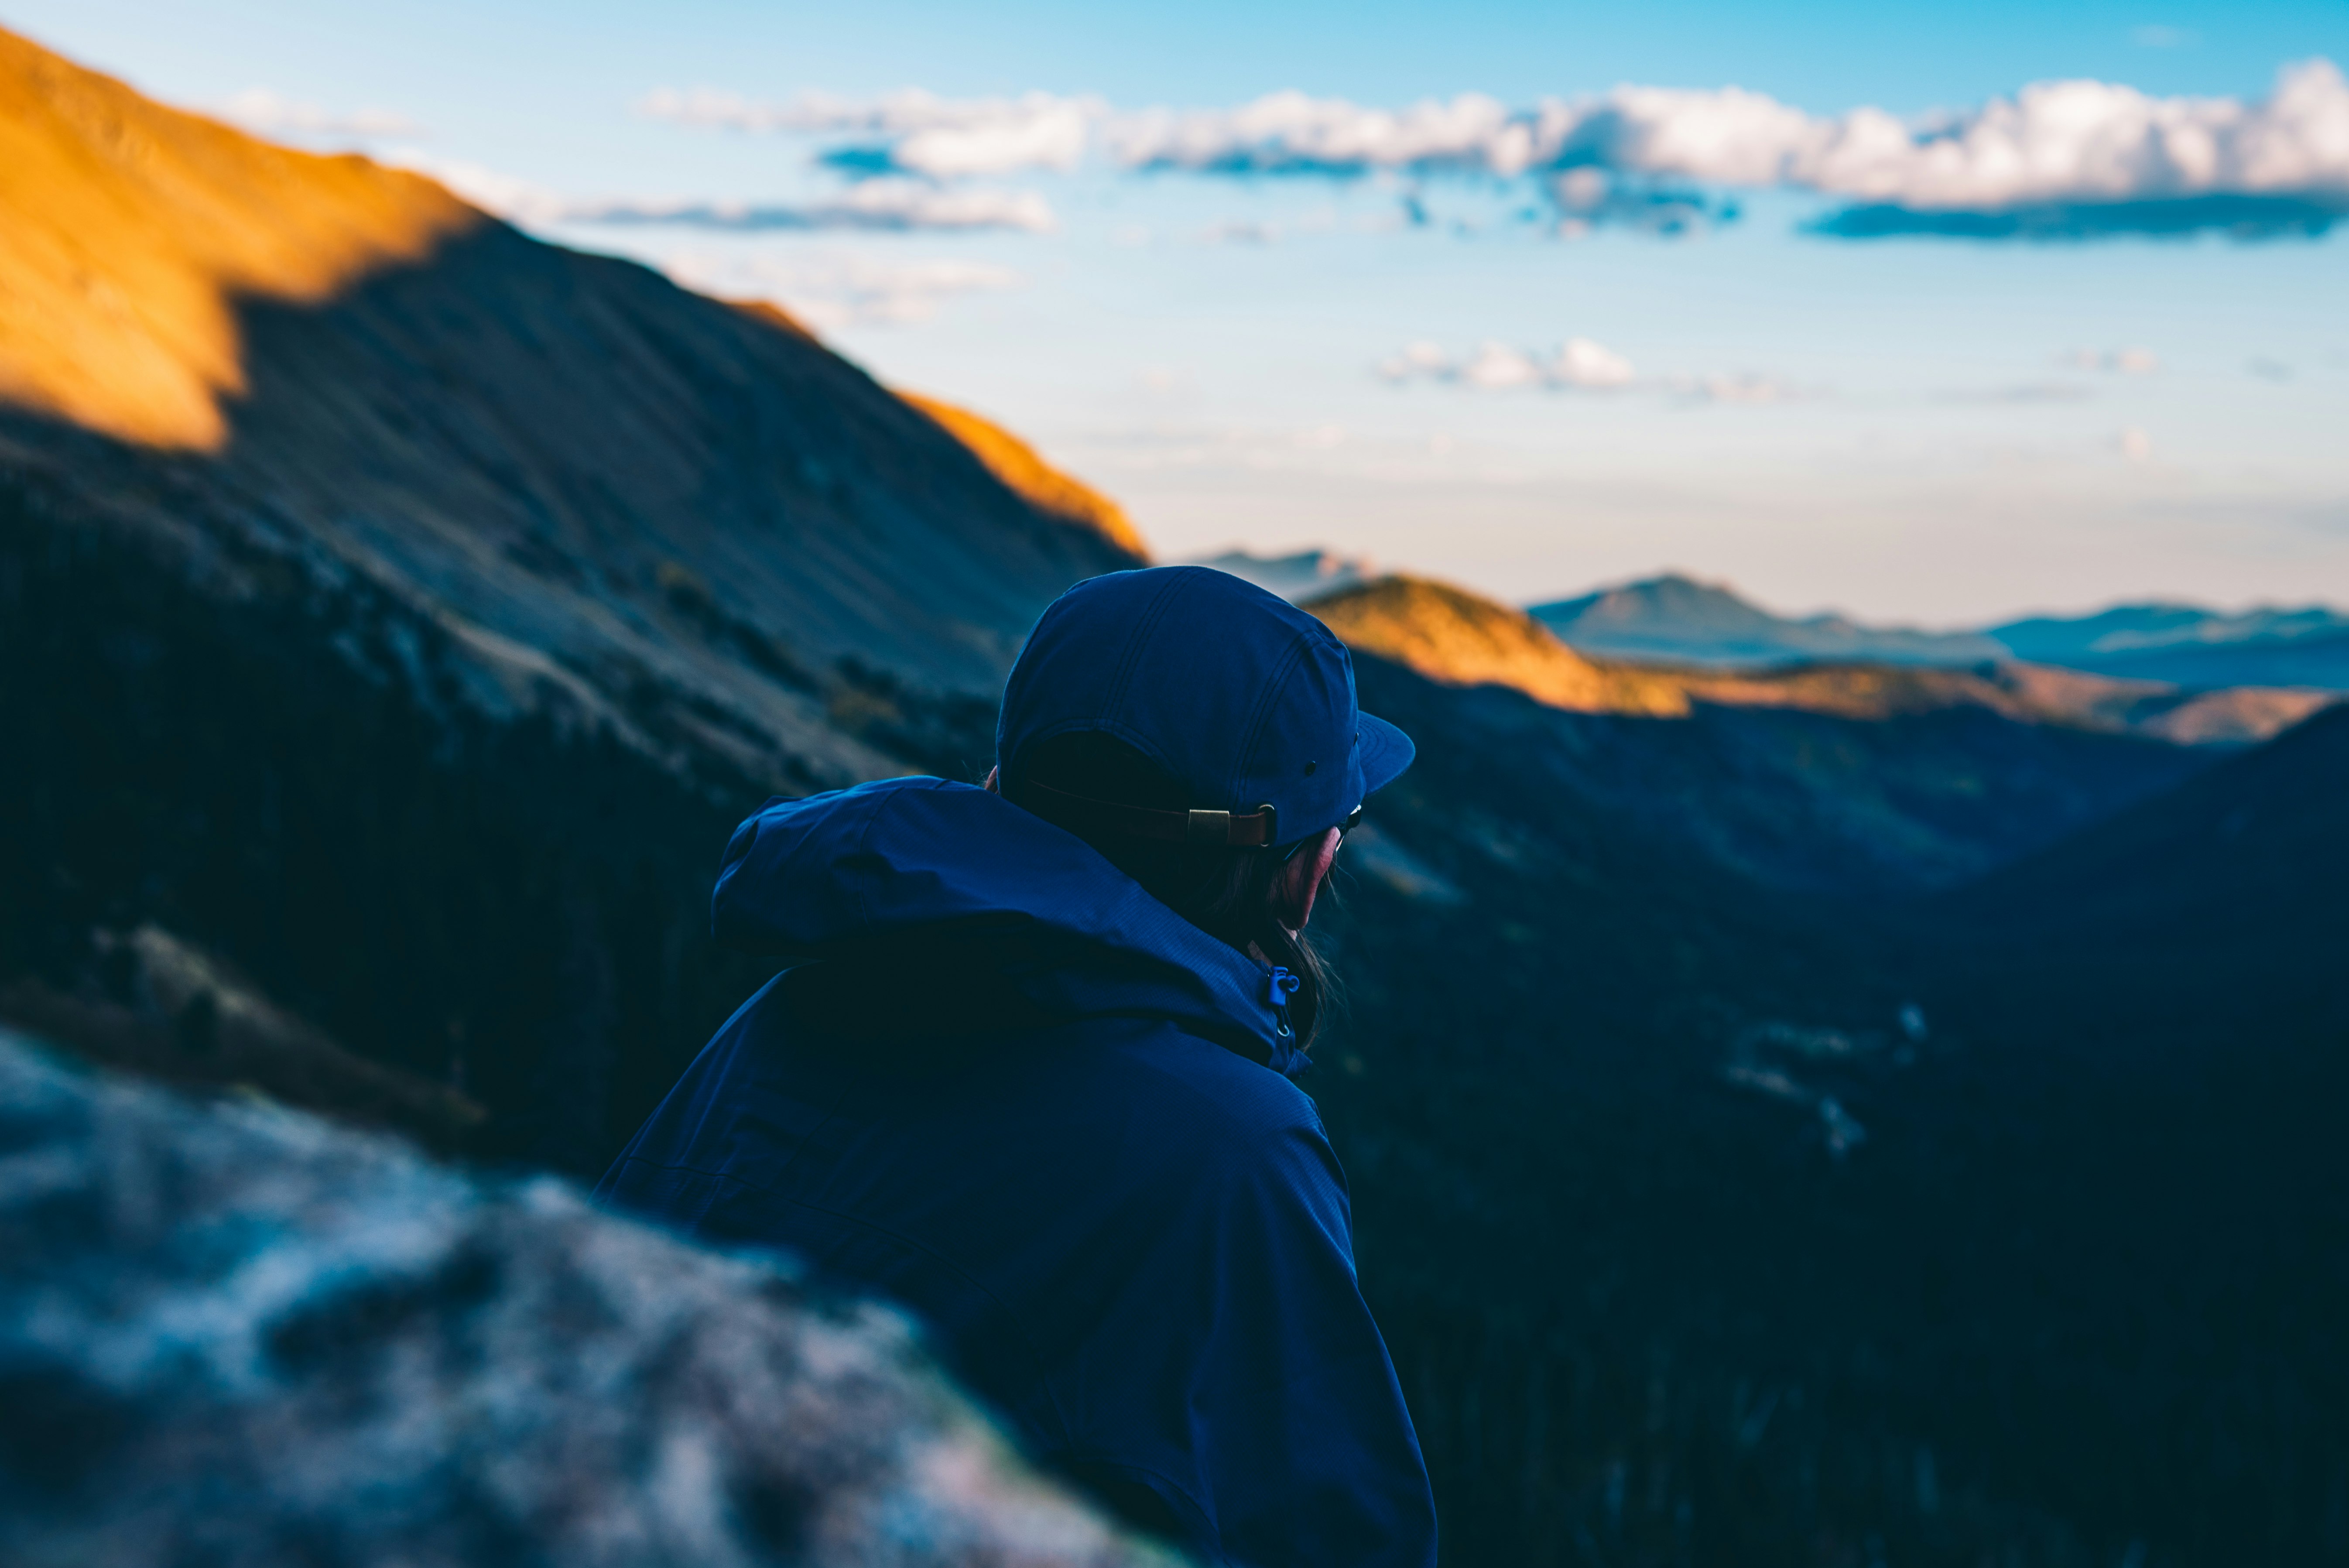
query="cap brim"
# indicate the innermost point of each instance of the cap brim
(1386, 752)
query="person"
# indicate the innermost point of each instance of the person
(1030, 1073)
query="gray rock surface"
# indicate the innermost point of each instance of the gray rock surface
(236, 1336)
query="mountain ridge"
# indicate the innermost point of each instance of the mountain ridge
(667, 516)
(135, 230)
(1674, 618)
(1026, 473)
(1460, 638)
(1677, 618)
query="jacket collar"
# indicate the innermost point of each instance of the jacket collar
(908, 857)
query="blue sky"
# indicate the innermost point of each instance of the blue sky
(1915, 426)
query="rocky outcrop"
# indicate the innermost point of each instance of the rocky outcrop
(165, 1009)
(236, 1336)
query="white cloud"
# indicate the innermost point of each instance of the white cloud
(1582, 363)
(1579, 362)
(2054, 142)
(1290, 133)
(265, 113)
(1495, 365)
(2116, 361)
(2057, 159)
(868, 205)
(517, 201)
(872, 204)
(910, 133)
(830, 292)
(1719, 387)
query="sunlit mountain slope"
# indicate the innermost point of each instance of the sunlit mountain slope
(136, 231)
(646, 509)
(1451, 635)
(1041, 485)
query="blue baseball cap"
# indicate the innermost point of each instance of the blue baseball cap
(1241, 696)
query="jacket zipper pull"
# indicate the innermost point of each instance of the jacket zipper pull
(1280, 986)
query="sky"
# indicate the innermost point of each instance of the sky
(1925, 314)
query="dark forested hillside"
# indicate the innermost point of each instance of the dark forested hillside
(617, 498)
(1725, 1201)
(1721, 1227)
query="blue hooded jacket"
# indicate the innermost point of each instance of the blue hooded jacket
(1007, 1087)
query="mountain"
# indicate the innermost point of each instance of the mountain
(2227, 885)
(1035, 481)
(659, 514)
(1297, 578)
(1663, 1176)
(1679, 620)
(1462, 639)
(2193, 647)
(1817, 776)
(1727, 1192)
(1675, 619)
(1451, 635)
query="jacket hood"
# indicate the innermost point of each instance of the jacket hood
(917, 867)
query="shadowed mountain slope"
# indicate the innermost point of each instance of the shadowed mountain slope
(660, 512)
(1829, 776)
(2193, 647)
(2224, 895)
(1678, 619)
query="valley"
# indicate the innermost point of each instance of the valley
(1817, 1108)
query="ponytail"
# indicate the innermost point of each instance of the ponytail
(1228, 892)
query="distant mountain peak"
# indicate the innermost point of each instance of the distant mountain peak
(2194, 646)
(1677, 618)
(1301, 577)
(1458, 639)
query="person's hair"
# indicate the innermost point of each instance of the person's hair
(1225, 892)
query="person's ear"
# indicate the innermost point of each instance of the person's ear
(1301, 880)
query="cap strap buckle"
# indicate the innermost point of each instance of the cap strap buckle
(1252, 829)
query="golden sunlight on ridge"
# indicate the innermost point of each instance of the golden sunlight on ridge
(1460, 639)
(1028, 476)
(129, 232)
